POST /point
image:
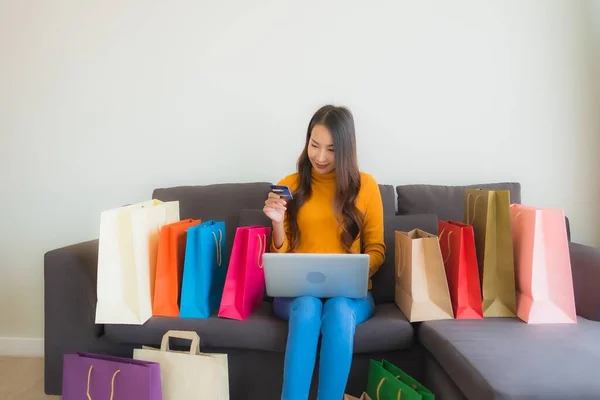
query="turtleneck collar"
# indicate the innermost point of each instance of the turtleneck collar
(322, 178)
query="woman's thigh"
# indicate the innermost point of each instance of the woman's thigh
(282, 307)
(363, 308)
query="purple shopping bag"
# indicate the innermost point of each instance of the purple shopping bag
(89, 376)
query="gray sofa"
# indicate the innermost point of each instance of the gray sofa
(475, 360)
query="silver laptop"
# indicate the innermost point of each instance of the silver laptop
(318, 275)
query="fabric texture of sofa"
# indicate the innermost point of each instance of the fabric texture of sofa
(478, 360)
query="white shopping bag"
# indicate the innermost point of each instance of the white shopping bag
(127, 251)
(188, 375)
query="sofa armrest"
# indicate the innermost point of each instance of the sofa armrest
(585, 264)
(69, 306)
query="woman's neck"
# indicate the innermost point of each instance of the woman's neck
(322, 178)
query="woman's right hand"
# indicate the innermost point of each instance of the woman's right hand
(275, 208)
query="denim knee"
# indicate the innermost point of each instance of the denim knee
(338, 312)
(306, 307)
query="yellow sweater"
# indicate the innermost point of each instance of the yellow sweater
(320, 229)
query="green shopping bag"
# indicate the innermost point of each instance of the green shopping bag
(382, 384)
(388, 382)
(414, 387)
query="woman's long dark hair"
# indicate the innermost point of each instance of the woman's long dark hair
(340, 123)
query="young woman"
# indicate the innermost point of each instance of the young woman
(336, 209)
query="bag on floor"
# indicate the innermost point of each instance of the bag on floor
(542, 266)
(188, 375)
(204, 270)
(411, 388)
(363, 397)
(421, 286)
(127, 253)
(382, 384)
(457, 243)
(95, 376)
(245, 283)
(169, 268)
(488, 211)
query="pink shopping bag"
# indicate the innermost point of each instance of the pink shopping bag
(245, 281)
(542, 266)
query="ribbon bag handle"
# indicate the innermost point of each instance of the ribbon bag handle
(449, 248)
(218, 244)
(381, 382)
(262, 249)
(190, 335)
(402, 259)
(112, 383)
(471, 220)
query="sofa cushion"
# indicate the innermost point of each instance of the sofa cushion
(388, 198)
(387, 330)
(505, 358)
(220, 202)
(384, 281)
(445, 201)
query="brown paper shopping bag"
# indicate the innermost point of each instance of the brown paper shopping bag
(421, 287)
(488, 211)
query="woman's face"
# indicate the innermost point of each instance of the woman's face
(320, 150)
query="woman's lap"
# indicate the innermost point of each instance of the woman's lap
(362, 308)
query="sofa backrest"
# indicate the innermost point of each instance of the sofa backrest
(225, 202)
(418, 206)
(219, 202)
(447, 202)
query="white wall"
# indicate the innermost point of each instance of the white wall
(100, 102)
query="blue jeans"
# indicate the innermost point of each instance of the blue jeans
(336, 319)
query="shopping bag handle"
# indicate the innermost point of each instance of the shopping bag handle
(190, 335)
(448, 247)
(262, 249)
(112, 383)
(400, 253)
(398, 397)
(218, 243)
(471, 220)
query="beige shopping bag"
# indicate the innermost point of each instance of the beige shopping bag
(421, 286)
(488, 211)
(127, 252)
(188, 375)
(363, 397)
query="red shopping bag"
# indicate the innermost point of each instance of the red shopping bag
(245, 281)
(169, 267)
(457, 242)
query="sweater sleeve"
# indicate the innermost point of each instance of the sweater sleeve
(372, 234)
(285, 246)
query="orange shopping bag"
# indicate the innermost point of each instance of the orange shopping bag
(169, 267)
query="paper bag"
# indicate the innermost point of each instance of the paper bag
(488, 211)
(127, 254)
(204, 270)
(411, 389)
(363, 397)
(169, 268)
(188, 375)
(457, 243)
(93, 376)
(542, 266)
(421, 286)
(245, 282)
(382, 384)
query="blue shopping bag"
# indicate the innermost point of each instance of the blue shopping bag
(204, 270)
